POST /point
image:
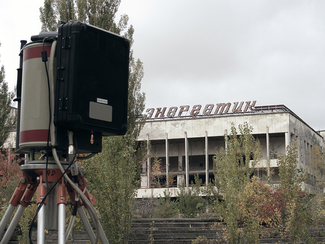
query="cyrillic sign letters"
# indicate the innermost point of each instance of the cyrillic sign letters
(209, 109)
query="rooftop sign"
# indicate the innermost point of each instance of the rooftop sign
(208, 109)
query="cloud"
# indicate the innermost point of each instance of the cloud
(199, 52)
(219, 51)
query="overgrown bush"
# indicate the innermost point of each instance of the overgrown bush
(10, 173)
(156, 173)
(259, 202)
(189, 200)
(166, 207)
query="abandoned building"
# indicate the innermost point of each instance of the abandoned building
(185, 140)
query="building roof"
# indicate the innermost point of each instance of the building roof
(259, 117)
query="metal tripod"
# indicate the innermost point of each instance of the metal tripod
(34, 180)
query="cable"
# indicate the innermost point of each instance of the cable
(44, 60)
(92, 211)
(87, 157)
(57, 160)
(82, 196)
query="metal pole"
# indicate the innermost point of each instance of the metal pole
(102, 235)
(89, 229)
(100, 232)
(41, 226)
(13, 225)
(87, 225)
(6, 218)
(61, 224)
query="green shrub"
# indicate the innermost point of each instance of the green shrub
(166, 207)
(190, 203)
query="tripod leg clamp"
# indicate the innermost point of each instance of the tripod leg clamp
(62, 193)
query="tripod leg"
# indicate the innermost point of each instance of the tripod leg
(61, 201)
(26, 197)
(6, 218)
(101, 233)
(41, 226)
(13, 225)
(41, 192)
(85, 221)
(61, 224)
(87, 225)
(16, 197)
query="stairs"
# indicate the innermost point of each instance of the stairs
(159, 231)
(172, 230)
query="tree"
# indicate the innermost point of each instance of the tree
(9, 169)
(190, 203)
(111, 178)
(233, 168)
(317, 167)
(260, 202)
(48, 18)
(316, 171)
(6, 118)
(156, 173)
(297, 219)
(100, 13)
(112, 173)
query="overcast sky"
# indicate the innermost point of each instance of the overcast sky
(211, 51)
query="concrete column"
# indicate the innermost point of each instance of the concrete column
(287, 141)
(226, 139)
(187, 179)
(180, 175)
(268, 150)
(148, 161)
(180, 159)
(300, 145)
(206, 159)
(167, 160)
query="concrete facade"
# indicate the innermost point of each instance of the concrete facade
(186, 145)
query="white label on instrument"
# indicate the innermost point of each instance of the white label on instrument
(101, 100)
